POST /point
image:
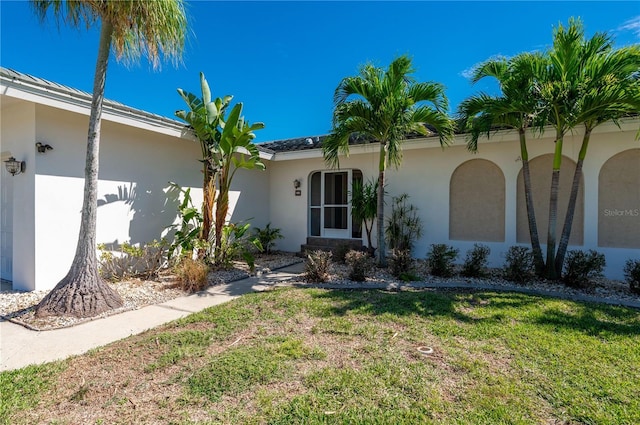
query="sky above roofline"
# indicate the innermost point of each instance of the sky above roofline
(283, 60)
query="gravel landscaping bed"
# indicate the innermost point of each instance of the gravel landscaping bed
(19, 306)
(609, 291)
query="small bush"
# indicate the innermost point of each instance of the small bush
(192, 274)
(317, 266)
(404, 226)
(132, 261)
(268, 237)
(632, 275)
(341, 253)
(360, 264)
(518, 265)
(401, 265)
(476, 261)
(441, 258)
(581, 267)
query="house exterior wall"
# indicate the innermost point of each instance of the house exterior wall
(136, 166)
(426, 174)
(18, 133)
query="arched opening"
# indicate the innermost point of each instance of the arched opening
(477, 202)
(619, 201)
(330, 204)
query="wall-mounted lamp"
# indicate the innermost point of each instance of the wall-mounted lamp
(14, 166)
(296, 185)
(43, 148)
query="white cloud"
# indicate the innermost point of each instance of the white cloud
(632, 25)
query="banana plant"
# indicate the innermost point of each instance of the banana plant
(226, 144)
(234, 151)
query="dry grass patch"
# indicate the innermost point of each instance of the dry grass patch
(314, 356)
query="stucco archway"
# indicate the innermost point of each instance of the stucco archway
(619, 201)
(477, 202)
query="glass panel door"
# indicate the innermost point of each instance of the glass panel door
(329, 208)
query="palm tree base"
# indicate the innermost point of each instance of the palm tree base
(84, 294)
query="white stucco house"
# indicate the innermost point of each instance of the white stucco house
(463, 198)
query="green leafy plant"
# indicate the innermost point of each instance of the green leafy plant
(268, 237)
(476, 261)
(404, 226)
(187, 238)
(581, 267)
(364, 207)
(402, 265)
(632, 275)
(519, 264)
(316, 269)
(441, 258)
(237, 243)
(192, 274)
(132, 261)
(360, 263)
(227, 146)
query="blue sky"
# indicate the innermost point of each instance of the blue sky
(283, 60)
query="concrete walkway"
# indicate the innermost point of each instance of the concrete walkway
(20, 347)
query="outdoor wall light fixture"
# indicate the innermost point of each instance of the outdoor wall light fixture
(14, 166)
(296, 183)
(43, 148)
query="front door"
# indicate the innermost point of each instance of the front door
(330, 204)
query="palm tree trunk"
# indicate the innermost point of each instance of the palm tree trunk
(571, 208)
(82, 292)
(382, 255)
(531, 216)
(222, 207)
(553, 210)
(208, 195)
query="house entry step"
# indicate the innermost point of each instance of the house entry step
(329, 244)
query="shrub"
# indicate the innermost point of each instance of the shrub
(518, 264)
(132, 261)
(187, 238)
(404, 226)
(632, 275)
(236, 244)
(268, 237)
(401, 265)
(317, 266)
(360, 264)
(192, 274)
(341, 253)
(476, 261)
(581, 267)
(441, 258)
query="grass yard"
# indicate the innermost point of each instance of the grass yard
(314, 356)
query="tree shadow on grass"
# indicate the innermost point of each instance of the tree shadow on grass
(594, 319)
(469, 306)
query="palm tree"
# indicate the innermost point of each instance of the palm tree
(364, 207)
(132, 27)
(560, 88)
(609, 90)
(515, 108)
(385, 106)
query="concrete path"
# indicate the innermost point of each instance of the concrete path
(20, 347)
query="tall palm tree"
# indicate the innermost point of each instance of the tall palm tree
(609, 90)
(132, 28)
(515, 108)
(385, 106)
(560, 88)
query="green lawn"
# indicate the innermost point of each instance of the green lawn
(316, 356)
